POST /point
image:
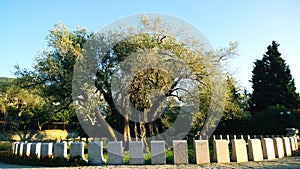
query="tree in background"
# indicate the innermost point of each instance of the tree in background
(53, 72)
(236, 113)
(273, 120)
(23, 109)
(236, 99)
(145, 43)
(272, 82)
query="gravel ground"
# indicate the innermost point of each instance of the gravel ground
(287, 162)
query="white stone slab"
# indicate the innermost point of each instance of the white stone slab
(278, 146)
(26, 149)
(35, 150)
(180, 150)
(20, 149)
(15, 147)
(158, 152)
(60, 150)
(114, 152)
(287, 146)
(95, 151)
(268, 148)
(136, 152)
(77, 150)
(221, 151)
(293, 143)
(255, 150)
(201, 151)
(239, 150)
(46, 150)
(296, 142)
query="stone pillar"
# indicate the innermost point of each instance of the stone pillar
(239, 150)
(114, 152)
(158, 152)
(296, 142)
(293, 144)
(35, 150)
(77, 149)
(15, 146)
(26, 149)
(180, 150)
(221, 151)
(20, 149)
(287, 146)
(201, 151)
(268, 148)
(278, 147)
(255, 150)
(60, 150)
(95, 151)
(46, 150)
(136, 152)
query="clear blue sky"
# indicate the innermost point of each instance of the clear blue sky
(253, 24)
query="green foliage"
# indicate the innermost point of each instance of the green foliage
(21, 107)
(272, 82)
(77, 161)
(235, 102)
(52, 76)
(5, 147)
(169, 156)
(53, 72)
(9, 158)
(144, 45)
(274, 120)
(5, 83)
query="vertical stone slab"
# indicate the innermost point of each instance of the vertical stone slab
(77, 150)
(95, 151)
(136, 152)
(278, 147)
(180, 150)
(293, 144)
(268, 148)
(221, 151)
(201, 151)
(26, 149)
(287, 146)
(255, 150)
(20, 149)
(239, 150)
(114, 152)
(60, 150)
(46, 150)
(35, 150)
(296, 142)
(158, 152)
(15, 147)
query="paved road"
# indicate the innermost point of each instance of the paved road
(287, 162)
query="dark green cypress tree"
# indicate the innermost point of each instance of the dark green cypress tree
(272, 82)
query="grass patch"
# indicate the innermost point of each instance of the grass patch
(296, 153)
(169, 156)
(6, 147)
(11, 159)
(47, 162)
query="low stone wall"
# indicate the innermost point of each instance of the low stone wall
(252, 149)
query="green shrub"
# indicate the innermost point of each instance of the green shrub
(273, 120)
(7, 147)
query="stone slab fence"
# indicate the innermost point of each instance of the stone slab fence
(244, 149)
